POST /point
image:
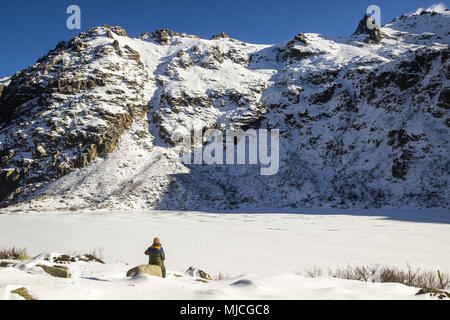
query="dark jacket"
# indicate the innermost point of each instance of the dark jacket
(156, 255)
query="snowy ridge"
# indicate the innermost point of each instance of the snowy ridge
(362, 124)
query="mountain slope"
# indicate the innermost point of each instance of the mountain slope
(363, 123)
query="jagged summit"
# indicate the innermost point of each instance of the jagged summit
(221, 35)
(368, 26)
(362, 124)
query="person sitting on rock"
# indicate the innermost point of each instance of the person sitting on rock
(156, 255)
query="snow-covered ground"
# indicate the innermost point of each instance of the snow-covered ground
(267, 249)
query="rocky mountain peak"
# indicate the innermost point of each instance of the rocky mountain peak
(368, 26)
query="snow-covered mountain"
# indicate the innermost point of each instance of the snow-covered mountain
(363, 120)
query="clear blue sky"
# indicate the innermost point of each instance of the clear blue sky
(29, 29)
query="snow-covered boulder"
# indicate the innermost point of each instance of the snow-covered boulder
(197, 273)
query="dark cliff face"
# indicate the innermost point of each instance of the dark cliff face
(363, 122)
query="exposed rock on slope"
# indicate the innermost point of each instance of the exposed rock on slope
(362, 123)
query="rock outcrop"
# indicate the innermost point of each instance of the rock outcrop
(164, 36)
(221, 35)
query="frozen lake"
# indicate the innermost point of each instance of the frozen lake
(236, 243)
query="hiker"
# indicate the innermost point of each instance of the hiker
(156, 255)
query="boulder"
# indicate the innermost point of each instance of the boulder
(59, 272)
(116, 45)
(147, 269)
(23, 292)
(41, 151)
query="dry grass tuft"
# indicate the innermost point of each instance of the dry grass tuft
(14, 253)
(378, 273)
